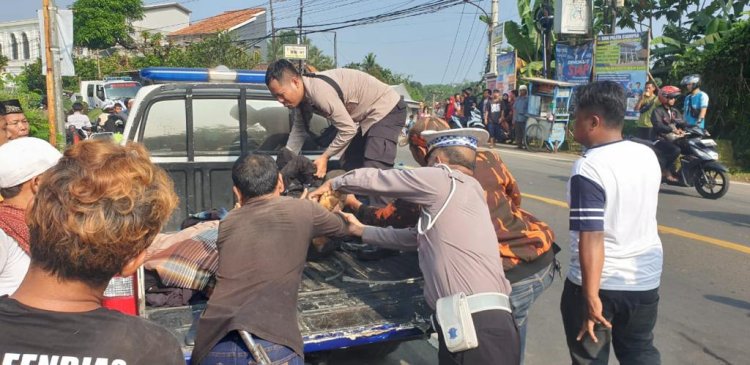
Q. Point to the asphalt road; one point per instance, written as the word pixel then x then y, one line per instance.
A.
pixel 704 313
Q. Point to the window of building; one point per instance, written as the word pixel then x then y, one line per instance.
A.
pixel 25 45
pixel 13 47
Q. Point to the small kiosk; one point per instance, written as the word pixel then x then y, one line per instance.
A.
pixel 548 111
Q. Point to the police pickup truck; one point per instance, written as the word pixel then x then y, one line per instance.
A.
pixel 195 123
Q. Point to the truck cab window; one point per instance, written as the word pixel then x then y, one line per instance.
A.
pixel 165 132
pixel 267 125
pixel 216 126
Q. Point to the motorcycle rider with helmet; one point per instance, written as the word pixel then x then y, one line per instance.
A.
pixel 696 101
pixel 668 128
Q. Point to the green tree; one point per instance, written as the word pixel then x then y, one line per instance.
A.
pixel 101 24
pixel 526 37
pixel 315 56
pixel 725 72
pixel 3 63
pixel 370 65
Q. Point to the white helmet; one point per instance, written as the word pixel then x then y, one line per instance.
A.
pixel 691 79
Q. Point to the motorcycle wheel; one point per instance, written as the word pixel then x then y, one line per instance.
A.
pixel 712 183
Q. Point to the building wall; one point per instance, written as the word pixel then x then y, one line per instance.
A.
pixel 162 20
pixel 250 32
pixel 28 44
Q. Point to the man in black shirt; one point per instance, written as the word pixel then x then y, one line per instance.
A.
pixel 467 106
pixel 486 98
pixel 93 216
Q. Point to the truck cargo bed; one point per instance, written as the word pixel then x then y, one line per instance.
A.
pixel 343 302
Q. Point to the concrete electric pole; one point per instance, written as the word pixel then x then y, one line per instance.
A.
pixel 492 49
pixel 55 112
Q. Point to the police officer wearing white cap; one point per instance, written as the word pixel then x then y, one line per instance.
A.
pixel 22 163
pixel 464 282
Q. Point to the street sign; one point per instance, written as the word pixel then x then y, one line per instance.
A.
pixel 295 51
pixel 573 16
pixel 497 33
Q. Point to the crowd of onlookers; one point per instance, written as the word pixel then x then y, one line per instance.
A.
pixel 502 114
pixel 112 120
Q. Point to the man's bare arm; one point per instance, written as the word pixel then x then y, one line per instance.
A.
pixel 591 254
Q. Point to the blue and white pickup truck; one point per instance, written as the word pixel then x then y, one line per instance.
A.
pixel 195 128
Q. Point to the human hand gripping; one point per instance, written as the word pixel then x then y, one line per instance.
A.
pixel 322 190
pixel 321 165
pixel 354 226
pixel 594 316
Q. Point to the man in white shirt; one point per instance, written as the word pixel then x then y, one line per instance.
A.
pixel 22 163
pixel 78 119
pixel 611 292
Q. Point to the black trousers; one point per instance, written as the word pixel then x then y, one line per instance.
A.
pixel 667 153
pixel 377 147
pixel 633 317
pixel 520 129
pixel 499 343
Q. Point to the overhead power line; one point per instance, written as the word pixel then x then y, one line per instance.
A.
pixel 453 47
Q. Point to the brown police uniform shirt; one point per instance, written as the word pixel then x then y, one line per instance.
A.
pixel 367 100
pixel 459 254
pixel 524 242
pixel 262 252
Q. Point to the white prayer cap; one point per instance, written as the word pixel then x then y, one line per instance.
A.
pixel 25 158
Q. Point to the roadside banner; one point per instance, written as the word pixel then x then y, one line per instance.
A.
pixel 506 72
pixel 574 63
pixel 623 58
pixel 64 31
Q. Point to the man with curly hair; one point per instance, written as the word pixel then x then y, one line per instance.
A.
pixel 93 217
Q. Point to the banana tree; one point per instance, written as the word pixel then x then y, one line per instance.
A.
pixel 526 37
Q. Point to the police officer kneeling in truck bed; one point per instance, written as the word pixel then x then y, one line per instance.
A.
pixel 464 281
pixel 367 114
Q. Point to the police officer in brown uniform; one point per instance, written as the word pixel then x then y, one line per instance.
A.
pixel 368 115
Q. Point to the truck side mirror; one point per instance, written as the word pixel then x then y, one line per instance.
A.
pixel 100 93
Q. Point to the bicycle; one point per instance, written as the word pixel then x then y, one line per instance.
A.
pixel 546 137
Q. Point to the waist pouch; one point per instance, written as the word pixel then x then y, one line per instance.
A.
pixel 454 316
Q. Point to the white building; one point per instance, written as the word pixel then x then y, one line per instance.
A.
pixel 20 43
pixel 161 18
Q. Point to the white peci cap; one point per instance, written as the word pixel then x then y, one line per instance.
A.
pixel 25 158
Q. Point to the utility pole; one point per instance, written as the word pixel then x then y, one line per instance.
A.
pixel 53 78
pixel 492 50
pixel 299 35
pixel 613 11
pixel 273 31
pixel 335 52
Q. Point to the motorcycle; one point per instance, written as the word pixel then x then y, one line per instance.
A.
pixel 475 121
pixel 699 165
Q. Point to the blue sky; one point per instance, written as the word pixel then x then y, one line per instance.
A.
pixel 418 46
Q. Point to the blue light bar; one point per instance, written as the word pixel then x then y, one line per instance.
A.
pixel 184 74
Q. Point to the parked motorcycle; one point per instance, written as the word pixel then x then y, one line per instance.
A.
pixel 699 165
